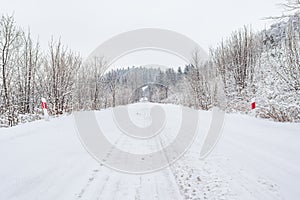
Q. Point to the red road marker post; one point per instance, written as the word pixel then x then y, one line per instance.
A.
pixel 253 104
pixel 253 107
pixel 44 106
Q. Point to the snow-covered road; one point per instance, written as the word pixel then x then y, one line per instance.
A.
pixel 255 159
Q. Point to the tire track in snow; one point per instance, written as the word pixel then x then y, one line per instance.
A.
pixel 93 179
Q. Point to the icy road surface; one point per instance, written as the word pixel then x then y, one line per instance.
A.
pixel 255 159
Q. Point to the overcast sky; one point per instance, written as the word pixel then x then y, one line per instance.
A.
pixel 83 25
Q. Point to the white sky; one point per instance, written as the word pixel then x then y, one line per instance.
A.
pixel 83 25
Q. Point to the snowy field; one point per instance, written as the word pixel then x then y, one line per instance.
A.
pixel 254 159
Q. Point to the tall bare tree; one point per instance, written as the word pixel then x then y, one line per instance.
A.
pixel 60 68
pixel 289 71
pixel 9 43
pixel 28 63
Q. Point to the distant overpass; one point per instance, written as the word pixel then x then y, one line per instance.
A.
pixel 152 92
